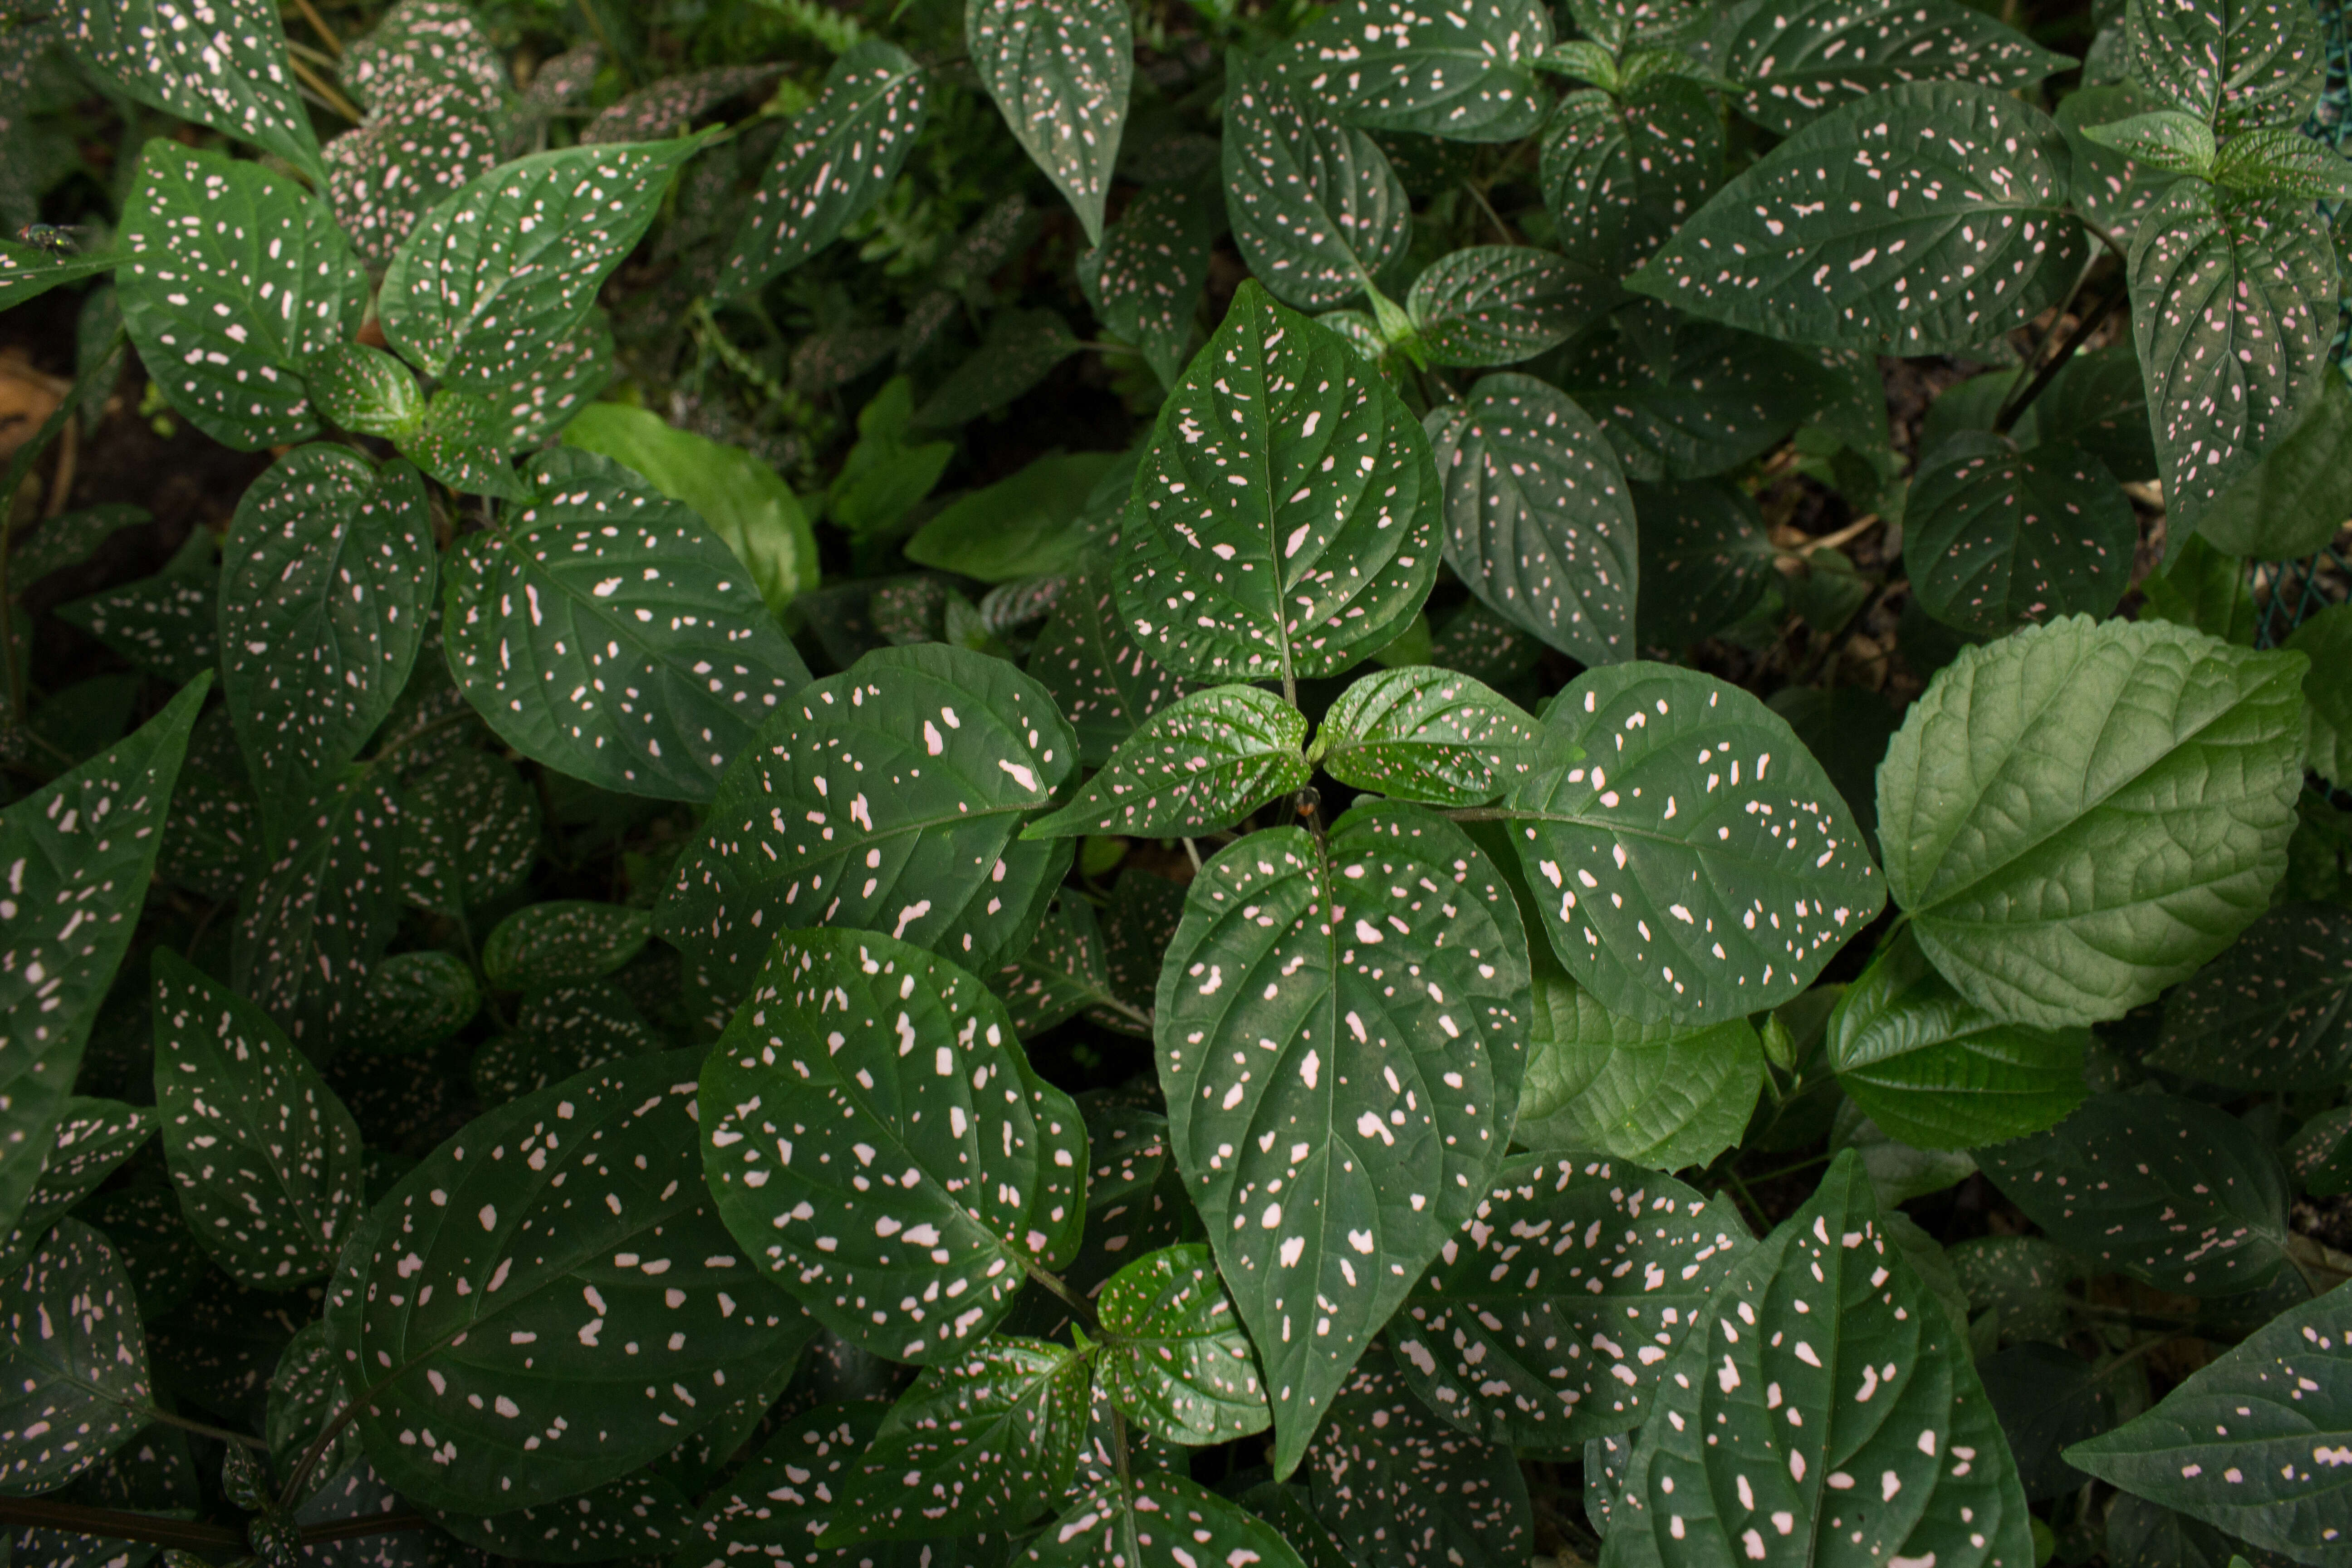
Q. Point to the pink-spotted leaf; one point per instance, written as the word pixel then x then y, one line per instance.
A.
pixel 1803 59
pixel 1174 1359
pixel 1204 762
pixel 1059 71
pixel 1317 210
pixel 1418 733
pixel 1995 538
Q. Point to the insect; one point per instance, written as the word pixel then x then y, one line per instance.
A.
pixel 49 237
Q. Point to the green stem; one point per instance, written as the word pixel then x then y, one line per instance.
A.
pixel 217 1433
pixel 2022 397
pixel 1800 1165
pixel 1079 1308
pixel 2124 1358
pixel 114 1524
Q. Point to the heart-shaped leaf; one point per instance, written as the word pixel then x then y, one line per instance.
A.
pixel 1151 266
pixel 1317 210
pixel 2248 1442
pixel 520 1289
pixel 1102 683
pixel 1418 733
pixel 1383 971
pixel 1538 522
pixel 2234 349
pixel 232 278
pixel 1936 1072
pixel 2270 1013
pixel 988 1181
pixel 1542 1322
pixel 1662 1094
pixel 1176 1360
pixel 601 628
pixel 1499 304
pixel 326 586
pixel 1939 208
pixel 266 1158
pixel 1620 172
pixel 565 939
pixel 221 62
pixel 1204 762
pixel 74 1384
pixel 1059 71
pixel 80 850
pixel 1801 61
pixel 840 156
pixel 1840 1399
pixel 1399 1488
pixel 889 798
pixel 1662 843
pixel 1995 538
pixel 1468 74
pixel 1280 524
pixel 2078 815
pixel 2167 1190
pixel 2235 63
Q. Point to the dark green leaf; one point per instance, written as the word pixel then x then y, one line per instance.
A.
pixel 2167 1190
pixel 2296 495
pixel 1103 684
pixel 840 799
pixel 987 1187
pixel 1938 208
pixel 1659 1094
pixel 1062 974
pixel 635 658
pixel 568 939
pixel 593 1268
pixel 27 271
pixel 70 539
pixel 2046 1398
pixel 561 1031
pixel 1317 210
pixel 839 157
pixel 1543 1320
pixel 1995 538
pixel 73 1367
pixel 669 106
pixel 1620 173
pixel 150 1240
pixel 1499 304
pixel 2078 815
pixel 1468 74
pixel 2320 1156
pixel 1898 1171
pixel 1204 761
pixel 1151 266
pixel 461 442
pixel 641 1517
pixel 473 833
pixel 222 63
pixel 1175 1359
pixel 92 1138
pixel 2249 1443
pixel 2271 1013
pixel 1724 397
pixel 234 278
pixel 1537 519
pixel 2205 590
pixel 2022 1279
pixel 1249 550
pixel 265 1157
pixel 1399 1488
pixel 2236 64
pixel 1801 60
pixel 2110 189
pixel 1418 733
pixel 1676 893
pixel 1705 561
pixel 365 390
pixel 1158 1521
pixel 1021 347
pixel 306 1396
pixel 412 1002
pixel 2325 638
pixel 421 142
pixel 1059 71
pixel 164 623
pixel 1936 1072
pixel 322 912
pixel 1384 976
pixel 74 856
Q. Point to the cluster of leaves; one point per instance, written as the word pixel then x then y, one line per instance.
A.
pixel 469 1048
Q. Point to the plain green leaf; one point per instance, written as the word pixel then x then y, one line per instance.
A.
pixel 566 939
pixel 2236 64
pixel 2325 639
pixel 594 1268
pixel 1298 563
pixel 2204 589
pixel 326 586
pixel 1421 733
pixel 79 853
pixel 1329 952
pixel 1537 518
pixel 2247 1443
pixel 1468 74
pixel 1656 850
pixel 1994 537
pixel 2297 494
pixel 632 657
pixel 1802 60
pixel 1157 1522
pixel 891 798
pixel 988 1181
pixel 2167 1190
pixel 74 1384
pixel 2226 295
pixel 323 909
pixel 747 503
pixel 1620 172
pixel 232 277
pixel 265 1155
pixel 1175 1359
pixel 1059 71
pixel 1317 210
pixel 2046 1397
pixel 222 64
pixel 1499 304
pixel 1898 1171
pixel 1507 1337
pixel 1021 526
pixel 2271 1013
pixel 1936 1072
pixel 1911 1458
pixel 1659 1094
pixel 1399 1488
pixel 1706 559
pixel 1937 207
pixel 2098 404
pixel 2080 815
pixel 1204 762
pixel 838 159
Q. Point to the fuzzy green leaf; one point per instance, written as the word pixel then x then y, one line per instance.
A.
pixel 982 1185
pixel 1536 1329
pixel 1250 549
pixel 1537 519
pixel 1665 1095
pixel 74 1384
pixel 2080 815
pixel 2167 1190
pixel 1418 733
pixel 1384 970
pixel 1937 207
pixel 1805 60
pixel 1176 1360
pixel 1995 538
pixel 2282 161
pixel 1317 210
pixel 1202 763
pixel 1059 71
pixel 221 62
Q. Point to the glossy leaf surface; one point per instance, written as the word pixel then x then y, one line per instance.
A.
pixel 1204 762
pixel 1316 207
pixel 1421 733
pixel 1177 1362
pixel 1059 71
